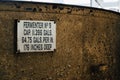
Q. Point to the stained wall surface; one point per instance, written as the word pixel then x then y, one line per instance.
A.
pixel 87 40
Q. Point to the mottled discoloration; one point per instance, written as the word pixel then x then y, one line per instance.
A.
pixel 87 43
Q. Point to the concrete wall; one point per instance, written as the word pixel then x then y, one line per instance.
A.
pixel 87 43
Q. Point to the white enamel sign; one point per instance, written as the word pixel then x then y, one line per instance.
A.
pixel 36 36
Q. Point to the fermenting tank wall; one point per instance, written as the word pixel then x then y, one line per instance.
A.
pixel 87 43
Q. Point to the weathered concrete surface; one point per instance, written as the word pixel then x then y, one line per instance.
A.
pixel 88 42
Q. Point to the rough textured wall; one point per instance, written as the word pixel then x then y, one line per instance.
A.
pixel 88 42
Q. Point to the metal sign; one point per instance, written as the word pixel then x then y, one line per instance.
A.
pixel 36 36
